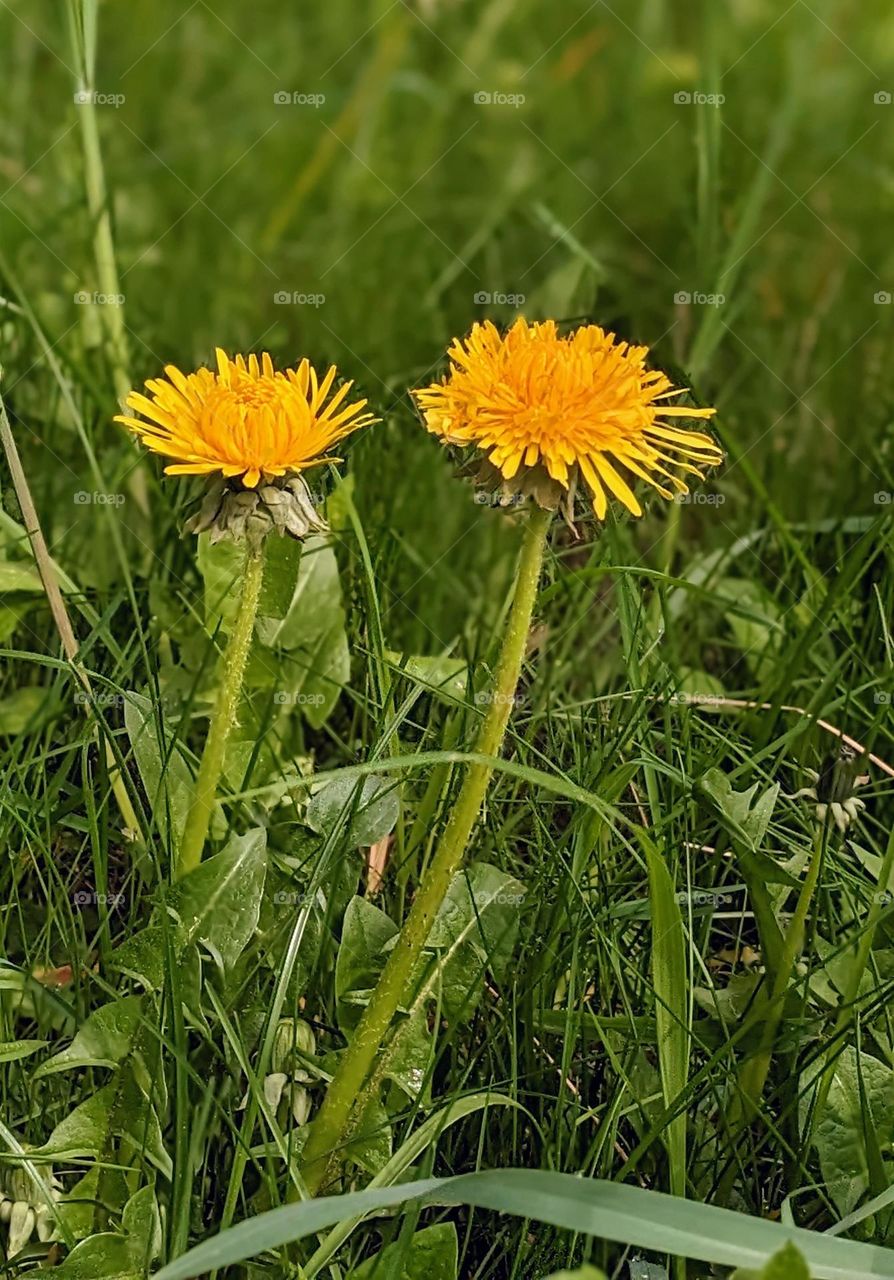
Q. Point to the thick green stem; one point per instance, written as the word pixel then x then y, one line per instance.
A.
pixel 195 832
pixel 330 1127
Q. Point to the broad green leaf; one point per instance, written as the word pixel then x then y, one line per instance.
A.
pixel 15 1050
pixel 101 1257
pixel 362 811
pixel 431 1254
pixel 474 932
pixel 282 557
pixel 164 772
pixel 628 1214
pixel 853 1117
pixel 118 1109
pixel 142 957
pixel 219 902
pixel 110 1256
pixel 309 638
pixel 475 929
pixel 364 934
pixel 103 1040
pixel 747 817
pixel 787 1264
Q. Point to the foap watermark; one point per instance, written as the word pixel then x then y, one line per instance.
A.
pixel 83 298
pixel 883 498
pixel 90 898
pixel 484 299
pixel 84 498
pixel 685 299
pixel 698 699
pixel 882 98
pixel 291 898
pixel 101 698
pixel 700 499
pixel 91 98
pixel 488 698
pixel 685 98
pixel 881 698
pixel 285 698
pixel 294 98
pixel 703 898
pixel 883 298
pixel 484 499
pixel 486 98
pixel 285 298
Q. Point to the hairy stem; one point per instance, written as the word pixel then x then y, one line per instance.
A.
pixel 198 820
pixel 331 1125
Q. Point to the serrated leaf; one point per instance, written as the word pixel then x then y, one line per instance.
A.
pixel 103 1040
pixel 747 817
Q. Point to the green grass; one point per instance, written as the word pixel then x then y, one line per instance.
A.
pixel 398 200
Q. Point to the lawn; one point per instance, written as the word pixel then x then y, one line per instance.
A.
pixel 627 780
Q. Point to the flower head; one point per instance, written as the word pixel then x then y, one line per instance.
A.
pixel 246 420
pixel 551 409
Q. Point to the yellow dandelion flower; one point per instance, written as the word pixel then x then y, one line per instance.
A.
pixel 246 420
pixel 562 407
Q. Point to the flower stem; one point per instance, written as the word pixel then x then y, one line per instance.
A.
pixel 195 832
pixel 330 1127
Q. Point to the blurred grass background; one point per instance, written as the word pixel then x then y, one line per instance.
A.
pixel 400 198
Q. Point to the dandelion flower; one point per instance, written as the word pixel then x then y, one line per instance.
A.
pixel 246 420
pixel 550 411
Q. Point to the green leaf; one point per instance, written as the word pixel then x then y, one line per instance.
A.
pixel 309 636
pixel 475 929
pixel 362 811
pixel 110 1256
pixel 631 1215
pixel 365 932
pixel 219 902
pixel 859 1110
pixel 15 1050
pixel 747 818
pixel 103 1040
pixel 221 565
pixel 101 1257
pixel 142 957
pixel 787 1264
pixel 431 1254
pixel 118 1109
pixel 165 774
